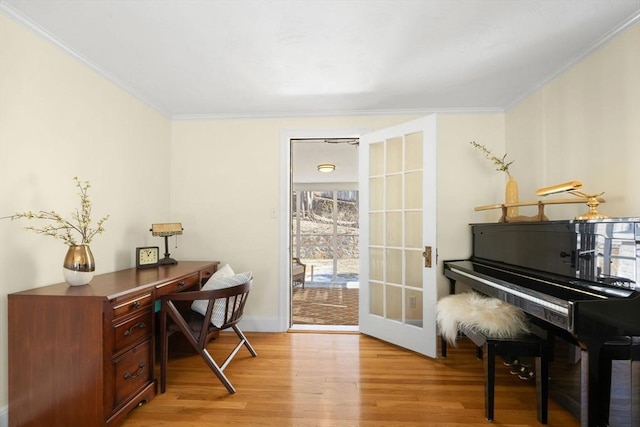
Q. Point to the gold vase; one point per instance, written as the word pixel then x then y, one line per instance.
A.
pixel 511 196
pixel 79 266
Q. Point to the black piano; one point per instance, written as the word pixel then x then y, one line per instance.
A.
pixel 580 281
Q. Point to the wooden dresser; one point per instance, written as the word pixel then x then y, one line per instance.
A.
pixel 84 355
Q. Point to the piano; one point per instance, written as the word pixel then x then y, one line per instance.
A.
pixel 580 281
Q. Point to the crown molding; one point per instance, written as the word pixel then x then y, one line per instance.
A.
pixel 348 113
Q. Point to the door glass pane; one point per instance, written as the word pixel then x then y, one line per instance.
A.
pixel 376 300
pixel 394 266
pixel 394 229
pixel 394 155
pixel 413 147
pixel 414 263
pixel 376 159
pixel 376 194
pixel 413 229
pixel 413 307
pixel 413 190
pixel 394 303
pixel 376 229
pixel 394 192
pixel 376 264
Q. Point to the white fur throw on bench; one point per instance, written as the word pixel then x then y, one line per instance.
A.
pixel 471 310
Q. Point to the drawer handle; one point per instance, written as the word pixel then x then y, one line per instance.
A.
pixel 181 284
pixel 128 376
pixel 135 304
pixel 129 331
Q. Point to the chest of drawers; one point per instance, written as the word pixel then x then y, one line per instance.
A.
pixel 85 355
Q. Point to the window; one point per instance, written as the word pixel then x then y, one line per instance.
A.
pixel 325 230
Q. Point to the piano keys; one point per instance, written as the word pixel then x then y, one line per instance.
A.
pixel 577 279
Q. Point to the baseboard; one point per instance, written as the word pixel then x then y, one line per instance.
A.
pixel 4 416
pixel 259 324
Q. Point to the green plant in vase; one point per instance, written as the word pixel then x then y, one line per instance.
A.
pixel 502 165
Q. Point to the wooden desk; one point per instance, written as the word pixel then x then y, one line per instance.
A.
pixel 84 355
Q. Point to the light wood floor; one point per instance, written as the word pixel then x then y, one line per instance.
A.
pixel 312 379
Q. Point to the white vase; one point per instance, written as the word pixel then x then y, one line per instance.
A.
pixel 79 266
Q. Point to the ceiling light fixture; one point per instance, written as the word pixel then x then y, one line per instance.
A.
pixel 326 167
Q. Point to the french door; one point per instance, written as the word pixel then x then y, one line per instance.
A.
pixel 398 291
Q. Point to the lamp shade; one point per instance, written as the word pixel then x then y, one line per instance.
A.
pixel 560 188
pixel 166 229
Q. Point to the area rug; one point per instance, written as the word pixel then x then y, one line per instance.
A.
pixel 325 306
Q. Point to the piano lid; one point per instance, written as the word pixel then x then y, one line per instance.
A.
pixel 605 252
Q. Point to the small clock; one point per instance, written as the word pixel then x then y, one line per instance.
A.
pixel 147 256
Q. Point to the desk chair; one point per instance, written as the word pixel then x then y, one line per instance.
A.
pixel 224 310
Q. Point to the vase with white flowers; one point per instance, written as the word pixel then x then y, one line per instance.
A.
pixel 77 232
pixel 502 165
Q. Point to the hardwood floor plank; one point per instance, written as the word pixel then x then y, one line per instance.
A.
pixel 338 380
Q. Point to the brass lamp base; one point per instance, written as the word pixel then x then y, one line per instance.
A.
pixel 592 202
pixel 592 215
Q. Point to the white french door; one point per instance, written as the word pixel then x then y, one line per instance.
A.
pixel 398 289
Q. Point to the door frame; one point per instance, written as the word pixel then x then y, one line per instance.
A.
pixel 284 238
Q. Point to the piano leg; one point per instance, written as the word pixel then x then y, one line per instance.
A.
pixel 490 379
pixel 596 380
pixel 584 393
pixel 443 347
pixel 542 382
pixel 605 389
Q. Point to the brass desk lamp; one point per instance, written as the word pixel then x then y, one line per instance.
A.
pixel 166 230
pixel 592 200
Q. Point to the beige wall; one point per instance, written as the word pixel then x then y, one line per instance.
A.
pixel 60 119
pixel 584 125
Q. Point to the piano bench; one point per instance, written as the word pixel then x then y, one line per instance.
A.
pixel 529 345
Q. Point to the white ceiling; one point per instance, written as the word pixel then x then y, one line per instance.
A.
pixel 193 58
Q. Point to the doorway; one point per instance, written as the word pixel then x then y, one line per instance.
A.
pixel 324 237
pixel 407 333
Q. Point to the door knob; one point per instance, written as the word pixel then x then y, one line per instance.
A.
pixel 427 256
